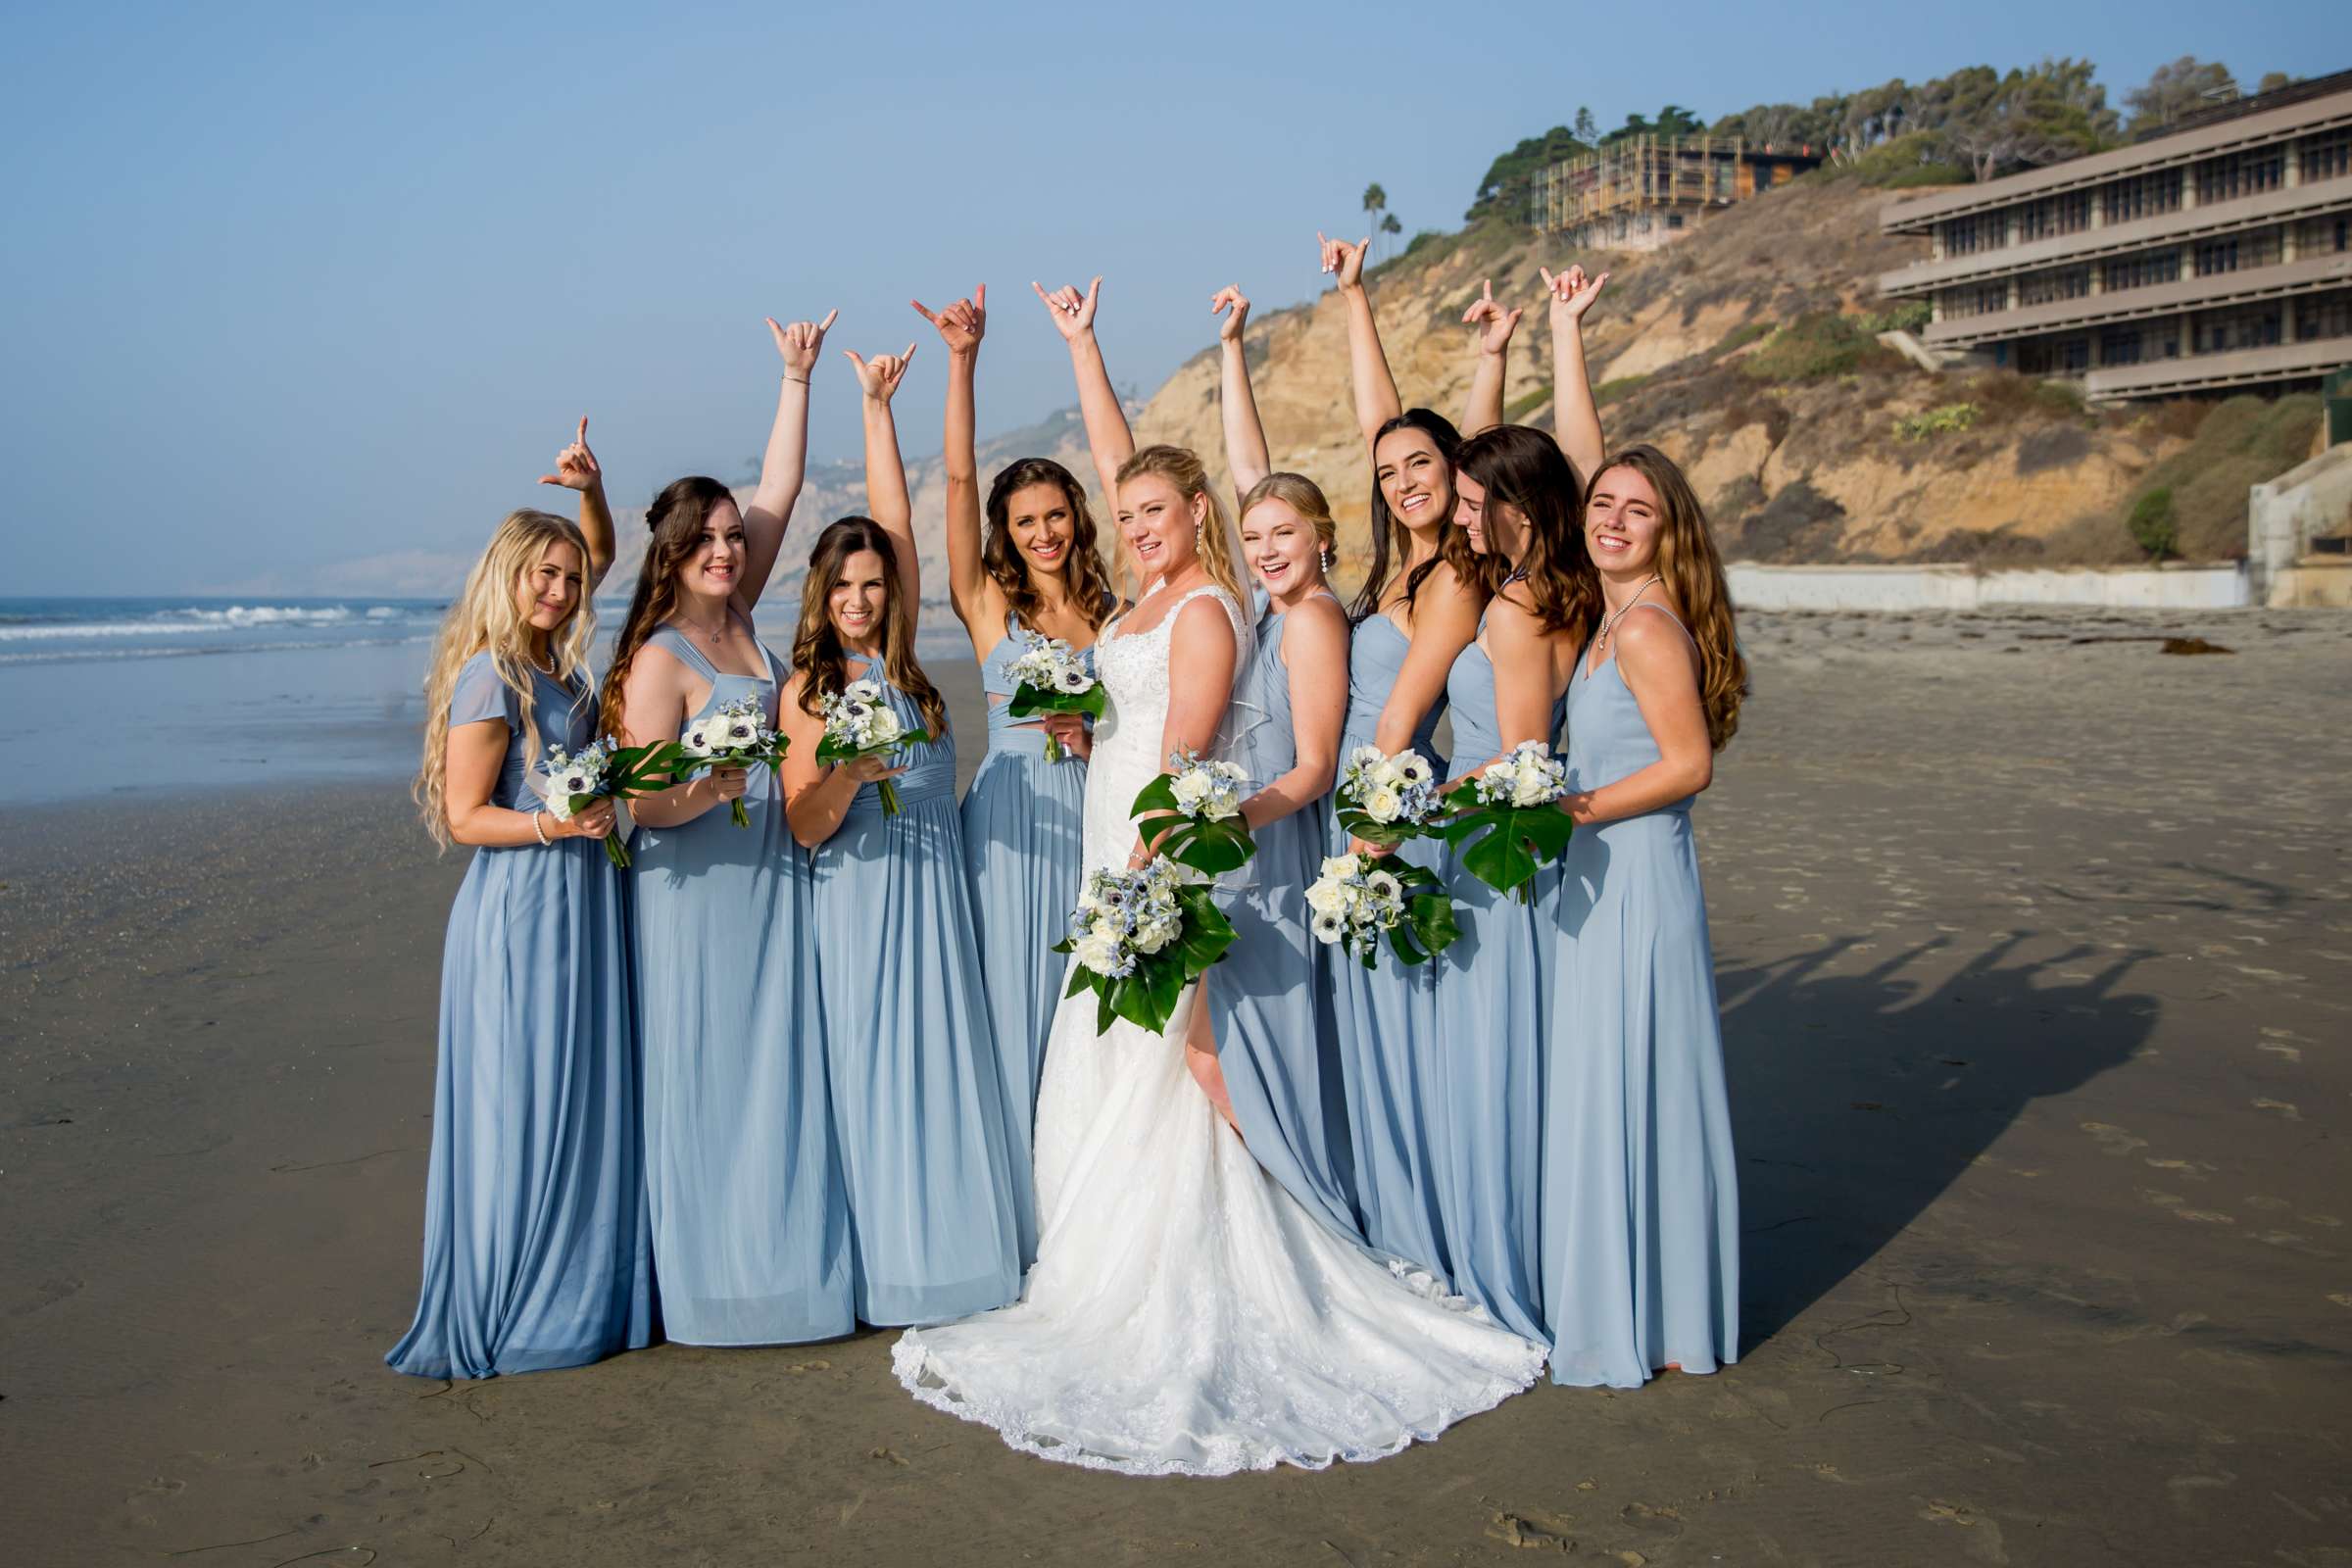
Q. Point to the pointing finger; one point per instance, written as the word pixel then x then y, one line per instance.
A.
pixel 925 312
pixel 582 438
pixel 826 326
pixel 980 296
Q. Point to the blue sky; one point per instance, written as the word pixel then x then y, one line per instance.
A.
pixel 292 285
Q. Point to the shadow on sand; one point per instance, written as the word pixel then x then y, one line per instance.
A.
pixel 1858 1098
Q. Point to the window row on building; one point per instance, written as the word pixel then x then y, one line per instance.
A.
pixel 2327 235
pixel 2315 317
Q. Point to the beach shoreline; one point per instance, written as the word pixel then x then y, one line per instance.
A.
pixel 2031 942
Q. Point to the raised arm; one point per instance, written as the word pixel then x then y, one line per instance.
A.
pixel 576 469
pixel 1444 618
pixel 886 499
pixel 1314 650
pixel 1376 401
pixel 1496 325
pixel 786 460
pixel 977 600
pixel 1244 436
pixel 1107 437
pixel 1574 414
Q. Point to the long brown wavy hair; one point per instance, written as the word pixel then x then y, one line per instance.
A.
pixel 675 519
pixel 1084 580
pixel 1692 570
pixel 486 616
pixel 1183 469
pixel 1390 536
pixel 1522 467
pixel 816 650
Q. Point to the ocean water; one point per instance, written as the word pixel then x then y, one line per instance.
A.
pixel 206 693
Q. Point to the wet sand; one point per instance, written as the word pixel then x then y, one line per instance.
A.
pixel 2035 953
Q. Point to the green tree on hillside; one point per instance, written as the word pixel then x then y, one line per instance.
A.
pixel 1376 202
pixel 1511 178
pixel 2272 80
pixel 1586 131
pixel 2181 88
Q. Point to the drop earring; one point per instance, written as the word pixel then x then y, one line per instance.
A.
pixel 1324 551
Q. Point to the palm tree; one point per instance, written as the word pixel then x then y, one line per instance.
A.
pixel 1376 202
pixel 1390 226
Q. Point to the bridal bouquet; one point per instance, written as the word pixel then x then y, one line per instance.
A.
pixel 858 722
pixel 1387 799
pixel 1211 835
pixel 603 770
pixel 1358 897
pixel 736 735
pixel 1052 679
pixel 1140 937
pixel 1509 808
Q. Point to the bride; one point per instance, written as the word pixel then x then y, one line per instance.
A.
pixel 1186 1316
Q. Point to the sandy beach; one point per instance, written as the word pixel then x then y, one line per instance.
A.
pixel 2035 945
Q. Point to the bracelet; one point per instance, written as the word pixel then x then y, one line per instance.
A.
pixel 798 380
pixel 540 828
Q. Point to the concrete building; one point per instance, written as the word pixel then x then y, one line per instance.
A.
pixel 2215 255
pixel 1646 192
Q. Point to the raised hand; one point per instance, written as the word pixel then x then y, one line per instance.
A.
pixel 799 343
pixel 1497 324
pixel 963 324
pixel 1344 260
pixel 879 377
pixel 1073 313
pixel 575 466
pixel 1232 304
pixel 1571 293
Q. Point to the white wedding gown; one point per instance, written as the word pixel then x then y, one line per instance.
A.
pixel 1186 1316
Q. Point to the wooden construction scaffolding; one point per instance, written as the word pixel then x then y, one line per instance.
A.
pixel 1648 191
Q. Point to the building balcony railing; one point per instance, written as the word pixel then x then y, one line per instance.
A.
pixel 2196 373
pixel 2245 286
pixel 1918 214
pixel 2289 204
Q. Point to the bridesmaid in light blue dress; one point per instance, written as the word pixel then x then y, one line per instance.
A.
pixel 1640 1194
pixel 750 1213
pixel 1264 1048
pixel 1033 566
pixel 1497 989
pixel 1418 608
pixel 939 1193
pixel 535 1249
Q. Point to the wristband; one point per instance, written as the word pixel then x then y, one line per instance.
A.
pixel 540 828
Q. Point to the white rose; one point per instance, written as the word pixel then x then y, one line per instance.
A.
pixel 1097 951
pixel 1191 789
pixel 1338 865
pixel 1153 935
pixel 885 726
pixel 1328 896
pixel 1383 804
pixel 1531 792
pixel 558 804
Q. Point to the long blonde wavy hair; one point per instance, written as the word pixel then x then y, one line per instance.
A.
pixel 488 614
pixel 1693 570
pixel 1220 545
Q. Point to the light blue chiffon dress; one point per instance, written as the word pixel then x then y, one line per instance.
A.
pixel 750 1213
pixel 1640 1188
pixel 1497 994
pixel 940 1194
pixel 1265 998
pixel 1384 1019
pixel 1021 822
pixel 535 1247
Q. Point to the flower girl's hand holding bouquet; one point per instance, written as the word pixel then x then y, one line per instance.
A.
pixel 1052 678
pixel 572 782
pixel 1511 809
pixel 735 735
pixel 859 723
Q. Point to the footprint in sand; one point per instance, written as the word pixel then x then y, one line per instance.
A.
pixel 2113 1139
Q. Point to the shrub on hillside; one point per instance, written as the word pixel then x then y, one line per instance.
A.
pixel 1929 423
pixel 1816 347
pixel 2151 524
pixel 2241 443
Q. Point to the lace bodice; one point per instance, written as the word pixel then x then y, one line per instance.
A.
pixel 1136 678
